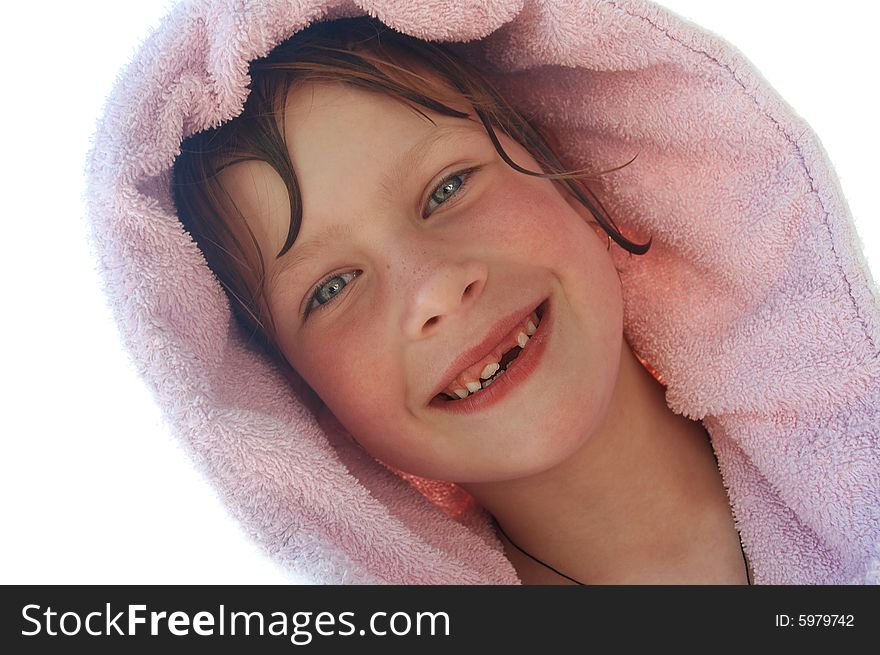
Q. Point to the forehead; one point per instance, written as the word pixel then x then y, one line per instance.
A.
pixel 335 130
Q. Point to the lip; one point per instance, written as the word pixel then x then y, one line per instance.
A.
pixel 518 370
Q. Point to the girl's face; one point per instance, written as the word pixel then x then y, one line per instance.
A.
pixel 420 255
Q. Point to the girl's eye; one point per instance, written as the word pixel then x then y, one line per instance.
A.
pixel 329 289
pixel 448 188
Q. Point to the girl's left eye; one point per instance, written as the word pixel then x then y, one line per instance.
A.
pixel 448 188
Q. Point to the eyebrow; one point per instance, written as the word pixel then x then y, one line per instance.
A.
pixel 411 159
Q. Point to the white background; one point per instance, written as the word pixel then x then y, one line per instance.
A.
pixel 93 488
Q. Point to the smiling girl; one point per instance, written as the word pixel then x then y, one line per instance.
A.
pixel 413 254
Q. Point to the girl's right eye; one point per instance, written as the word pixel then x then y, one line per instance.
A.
pixel 328 289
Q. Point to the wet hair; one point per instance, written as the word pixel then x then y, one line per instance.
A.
pixel 368 55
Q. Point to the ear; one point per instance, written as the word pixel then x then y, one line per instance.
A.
pixel 585 213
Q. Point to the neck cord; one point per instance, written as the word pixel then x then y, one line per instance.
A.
pixel 498 525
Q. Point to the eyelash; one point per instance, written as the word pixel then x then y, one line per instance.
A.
pixel 464 174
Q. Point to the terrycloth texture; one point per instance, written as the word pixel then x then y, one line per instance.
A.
pixel 754 305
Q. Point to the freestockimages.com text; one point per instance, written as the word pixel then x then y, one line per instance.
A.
pixel 300 627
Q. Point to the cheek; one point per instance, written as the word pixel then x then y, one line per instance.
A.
pixel 353 377
pixel 527 216
pixel 535 218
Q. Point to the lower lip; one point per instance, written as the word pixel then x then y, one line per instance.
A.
pixel 519 370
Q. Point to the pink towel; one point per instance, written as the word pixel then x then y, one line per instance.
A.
pixel 754 304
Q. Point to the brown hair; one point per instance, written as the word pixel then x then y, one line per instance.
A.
pixel 357 51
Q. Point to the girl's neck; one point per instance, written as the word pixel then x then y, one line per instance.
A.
pixel 641 501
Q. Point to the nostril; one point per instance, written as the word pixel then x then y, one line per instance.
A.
pixel 431 321
pixel 469 289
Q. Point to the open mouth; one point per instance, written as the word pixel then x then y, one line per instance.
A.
pixel 473 381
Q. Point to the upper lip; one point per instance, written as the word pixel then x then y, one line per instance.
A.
pixel 476 353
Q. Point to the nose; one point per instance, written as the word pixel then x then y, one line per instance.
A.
pixel 443 291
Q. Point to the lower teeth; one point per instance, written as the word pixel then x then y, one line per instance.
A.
pixel 486 383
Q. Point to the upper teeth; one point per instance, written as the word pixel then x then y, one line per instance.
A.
pixel 467 381
pixel 488 372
